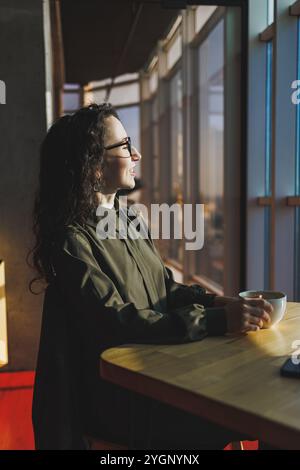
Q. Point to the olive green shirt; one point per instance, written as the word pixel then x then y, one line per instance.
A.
pixel 105 293
pixel 123 288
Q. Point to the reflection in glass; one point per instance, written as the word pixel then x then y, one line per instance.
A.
pixel 297 188
pixel 155 148
pixel 268 163
pixel 130 118
pixel 71 101
pixel 270 11
pixel 210 260
pixel 176 177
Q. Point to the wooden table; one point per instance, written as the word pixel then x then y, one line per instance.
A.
pixel 232 381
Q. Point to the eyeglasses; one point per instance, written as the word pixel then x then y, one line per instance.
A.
pixel 127 143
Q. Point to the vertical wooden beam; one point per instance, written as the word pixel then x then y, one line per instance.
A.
pixel 189 127
pixel 233 154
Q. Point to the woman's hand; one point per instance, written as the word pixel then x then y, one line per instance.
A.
pixel 247 315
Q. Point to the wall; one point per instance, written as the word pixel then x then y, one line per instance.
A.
pixel 22 126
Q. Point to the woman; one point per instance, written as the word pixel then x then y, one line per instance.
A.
pixel 104 292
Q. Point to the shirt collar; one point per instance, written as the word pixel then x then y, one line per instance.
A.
pixel 93 219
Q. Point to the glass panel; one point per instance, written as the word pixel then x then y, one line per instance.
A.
pixel 130 118
pixel 155 148
pixel 71 101
pixel 210 260
pixel 153 81
pixel 174 53
pixel 127 94
pixel 270 11
pixel 176 155
pixel 71 86
pixel 268 162
pixel 202 15
pixel 297 187
pixel 119 95
pixel 97 96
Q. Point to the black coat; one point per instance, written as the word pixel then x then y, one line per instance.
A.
pixel 55 409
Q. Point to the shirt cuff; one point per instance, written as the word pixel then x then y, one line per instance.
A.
pixel 216 322
pixel 192 318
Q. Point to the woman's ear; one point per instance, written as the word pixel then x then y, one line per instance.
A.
pixel 97 174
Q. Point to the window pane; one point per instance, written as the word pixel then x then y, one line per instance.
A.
pixel 174 53
pixel 130 118
pixel 155 148
pixel 268 163
pixel 270 11
pixel 153 82
pixel 71 101
pixel 202 15
pixel 210 260
pixel 125 95
pixel 176 155
pixel 297 188
pixel 71 86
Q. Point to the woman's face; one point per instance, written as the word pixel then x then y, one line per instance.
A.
pixel 118 169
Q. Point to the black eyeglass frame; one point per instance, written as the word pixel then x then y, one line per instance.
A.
pixel 127 142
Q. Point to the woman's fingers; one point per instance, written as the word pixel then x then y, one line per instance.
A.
pixel 260 303
pixel 258 311
pixel 250 327
pixel 243 316
pixel 251 323
pixel 254 320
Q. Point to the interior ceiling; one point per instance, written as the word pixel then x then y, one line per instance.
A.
pixel 107 38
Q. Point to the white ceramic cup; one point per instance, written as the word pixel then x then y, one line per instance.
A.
pixel 277 299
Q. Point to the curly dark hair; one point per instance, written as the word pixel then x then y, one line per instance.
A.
pixel 70 153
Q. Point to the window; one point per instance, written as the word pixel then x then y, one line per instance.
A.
pixel 71 97
pixel 174 52
pixel 273 252
pixel 297 182
pixel 173 46
pixel 122 91
pixel 268 165
pixel 202 15
pixel 130 117
pixel 270 11
pixel 210 55
pixel 176 159
pixel 155 148
pixel 199 103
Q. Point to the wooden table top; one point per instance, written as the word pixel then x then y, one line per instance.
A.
pixel 233 381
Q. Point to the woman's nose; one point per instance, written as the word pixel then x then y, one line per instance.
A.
pixel 135 154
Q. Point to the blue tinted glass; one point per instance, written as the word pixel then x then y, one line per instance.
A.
pixel 270 11
pixel 210 263
pixel 130 118
pixel 268 137
pixel 268 162
pixel 297 187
